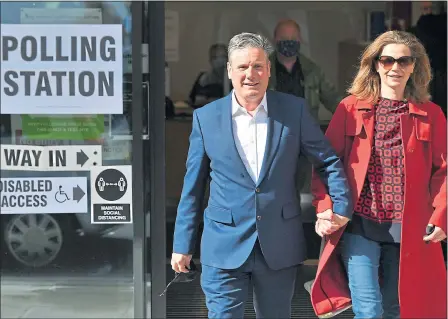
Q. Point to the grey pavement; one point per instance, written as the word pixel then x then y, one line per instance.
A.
pixel 66 297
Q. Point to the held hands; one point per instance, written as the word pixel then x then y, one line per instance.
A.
pixel 329 222
pixel 180 262
pixel 436 236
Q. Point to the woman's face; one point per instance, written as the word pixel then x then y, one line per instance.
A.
pixel 395 65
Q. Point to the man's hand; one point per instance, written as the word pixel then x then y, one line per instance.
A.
pixel 323 227
pixel 329 222
pixel 180 262
pixel 436 236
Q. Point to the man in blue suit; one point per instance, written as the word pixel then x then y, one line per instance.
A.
pixel 247 145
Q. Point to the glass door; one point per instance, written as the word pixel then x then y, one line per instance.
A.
pixel 73 126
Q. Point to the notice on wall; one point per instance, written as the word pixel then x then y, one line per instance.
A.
pixel 111 194
pixel 127 60
pixel 62 127
pixel 68 69
pixel 43 195
pixel 117 150
pixel 50 158
pixel 60 15
pixel 119 125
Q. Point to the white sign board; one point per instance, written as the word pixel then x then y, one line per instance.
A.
pixel 111 199
pixel 50 158
pixel 68 69
pixel 43 195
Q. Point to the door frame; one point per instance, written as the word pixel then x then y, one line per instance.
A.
pixel 156 34
pixel 149 28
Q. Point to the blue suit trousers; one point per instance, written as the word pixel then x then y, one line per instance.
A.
pixel 226 290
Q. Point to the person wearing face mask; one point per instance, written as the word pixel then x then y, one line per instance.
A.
pixel 210 85
pixel 393 143
pixel 294 73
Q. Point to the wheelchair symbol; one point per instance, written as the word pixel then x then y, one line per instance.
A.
pixel 61 196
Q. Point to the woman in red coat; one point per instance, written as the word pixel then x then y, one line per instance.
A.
pixel 393 143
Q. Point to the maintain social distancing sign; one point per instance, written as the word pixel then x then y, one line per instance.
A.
pixel 63 69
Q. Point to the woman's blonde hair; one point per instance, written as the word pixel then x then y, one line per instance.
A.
pixel 367 84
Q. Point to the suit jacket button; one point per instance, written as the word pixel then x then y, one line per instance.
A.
pixel 259 217
pixel 257 190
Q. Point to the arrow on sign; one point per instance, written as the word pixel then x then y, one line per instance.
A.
pixel 81 158
pixel 78 193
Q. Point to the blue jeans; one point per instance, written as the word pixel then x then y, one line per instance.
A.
pixel 364 260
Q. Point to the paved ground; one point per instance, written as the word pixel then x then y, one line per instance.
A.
pixel 111 296
pixel 66 297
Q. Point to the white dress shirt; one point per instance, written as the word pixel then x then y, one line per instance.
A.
pixel 250 134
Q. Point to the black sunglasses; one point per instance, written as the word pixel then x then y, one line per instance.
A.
pixel 388 62
pixel 183 276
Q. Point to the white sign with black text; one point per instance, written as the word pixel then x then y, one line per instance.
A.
pixel 43 195
pixel 111 199
pixel 50 158
pixel 63 69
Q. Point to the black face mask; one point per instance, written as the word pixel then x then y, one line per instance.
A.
pixel 288 48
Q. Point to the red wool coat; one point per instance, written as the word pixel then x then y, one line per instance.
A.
pixel 423 276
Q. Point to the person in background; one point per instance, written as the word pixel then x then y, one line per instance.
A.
pixel 209 85
pixel 393 143
pixel 294 73
pixel 431 31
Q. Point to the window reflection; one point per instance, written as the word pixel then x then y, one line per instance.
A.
pixel 67 250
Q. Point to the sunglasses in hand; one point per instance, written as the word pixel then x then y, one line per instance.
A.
pixel 180 277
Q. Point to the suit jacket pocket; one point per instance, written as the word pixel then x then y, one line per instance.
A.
pixel 219 214
pixel 290 210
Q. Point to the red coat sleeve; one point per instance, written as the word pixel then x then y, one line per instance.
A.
pixel 439 171
pixel 336 136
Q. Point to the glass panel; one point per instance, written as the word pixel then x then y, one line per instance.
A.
pixel 56 260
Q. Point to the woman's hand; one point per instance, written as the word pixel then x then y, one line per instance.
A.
pixel 436 236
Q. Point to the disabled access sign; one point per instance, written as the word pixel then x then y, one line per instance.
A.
pixel 43 195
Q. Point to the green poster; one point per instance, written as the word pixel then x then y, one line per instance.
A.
pixel 63 128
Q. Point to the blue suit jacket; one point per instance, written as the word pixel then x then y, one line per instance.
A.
pixel 240 210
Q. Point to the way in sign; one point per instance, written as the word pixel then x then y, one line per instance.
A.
pixel 50 158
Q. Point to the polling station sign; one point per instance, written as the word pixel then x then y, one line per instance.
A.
pixel 63 69
pixel 43 195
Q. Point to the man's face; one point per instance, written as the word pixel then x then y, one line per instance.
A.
pixel 249 70
pixel 287 40
pixel 287 32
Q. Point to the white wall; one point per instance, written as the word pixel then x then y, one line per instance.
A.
pixel 203 23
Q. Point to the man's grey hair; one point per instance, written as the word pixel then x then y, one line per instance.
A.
pixel 249 40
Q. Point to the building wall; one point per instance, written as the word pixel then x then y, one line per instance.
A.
pixel 324 25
